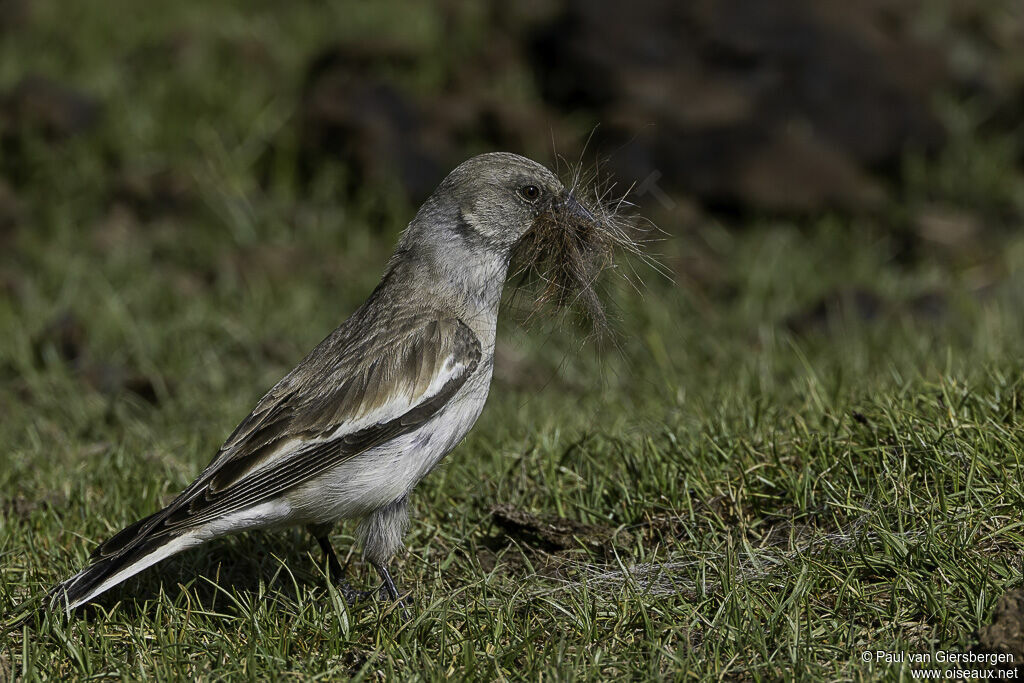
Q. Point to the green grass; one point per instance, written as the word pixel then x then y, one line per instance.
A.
pixel 762 502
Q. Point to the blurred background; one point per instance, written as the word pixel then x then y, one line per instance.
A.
pixel 197 144
pixel 194 192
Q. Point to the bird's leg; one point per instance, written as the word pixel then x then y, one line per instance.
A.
pixel 391 588
pixel 381 532
pixel 335 569
pixel 389 583
pixel 337 572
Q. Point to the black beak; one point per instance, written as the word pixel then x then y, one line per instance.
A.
pixel 571 206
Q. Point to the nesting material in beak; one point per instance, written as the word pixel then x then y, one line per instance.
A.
pixel 570 244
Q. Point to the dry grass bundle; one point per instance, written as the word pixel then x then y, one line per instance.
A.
pixel 572 243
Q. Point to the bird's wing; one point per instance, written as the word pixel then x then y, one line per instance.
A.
pixel 369 382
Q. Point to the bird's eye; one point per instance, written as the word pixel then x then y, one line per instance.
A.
pixel 529 192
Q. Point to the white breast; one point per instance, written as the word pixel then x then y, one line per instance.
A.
pixel 384 474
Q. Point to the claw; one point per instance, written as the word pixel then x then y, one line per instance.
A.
pixel 388 591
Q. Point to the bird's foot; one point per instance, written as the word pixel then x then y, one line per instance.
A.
pixel 389 591
pixel 353 596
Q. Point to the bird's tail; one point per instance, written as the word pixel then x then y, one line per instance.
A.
pixel 109 570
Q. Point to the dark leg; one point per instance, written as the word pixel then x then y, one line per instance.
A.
pixel 381 532
pixel 389 583
pixel 337 572
pixel 333 564
pixel 391 588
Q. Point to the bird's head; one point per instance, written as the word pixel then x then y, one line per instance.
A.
pixel 515 210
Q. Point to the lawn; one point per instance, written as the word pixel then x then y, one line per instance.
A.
pixel 804 443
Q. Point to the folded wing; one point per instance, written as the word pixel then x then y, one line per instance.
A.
pixel 369 382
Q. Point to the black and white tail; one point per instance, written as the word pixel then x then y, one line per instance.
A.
pixel 121 557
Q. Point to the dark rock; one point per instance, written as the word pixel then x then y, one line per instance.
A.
pixel 64 335
pixel 352 110
pixel 790 106
pixel 983 41
pixel 20 507
pixel 1005 633
pixel 549 533
pixel 781 106
pixel 153 193
pixel 844 304
pixel 931 305
pixel 13 15
pixel 65 338
pixel 54 110
pixel 41 109
pixel 351 115
pixel 863 305
pixel 113 380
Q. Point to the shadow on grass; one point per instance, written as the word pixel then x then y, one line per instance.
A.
pixel 225 577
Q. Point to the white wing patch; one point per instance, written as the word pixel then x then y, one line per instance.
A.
pixel 399 404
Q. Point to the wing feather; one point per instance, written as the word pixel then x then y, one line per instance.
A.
pixel 353 392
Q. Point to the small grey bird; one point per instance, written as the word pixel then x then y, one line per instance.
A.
pixel 377 404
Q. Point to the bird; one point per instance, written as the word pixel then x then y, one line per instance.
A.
pixel 373 408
